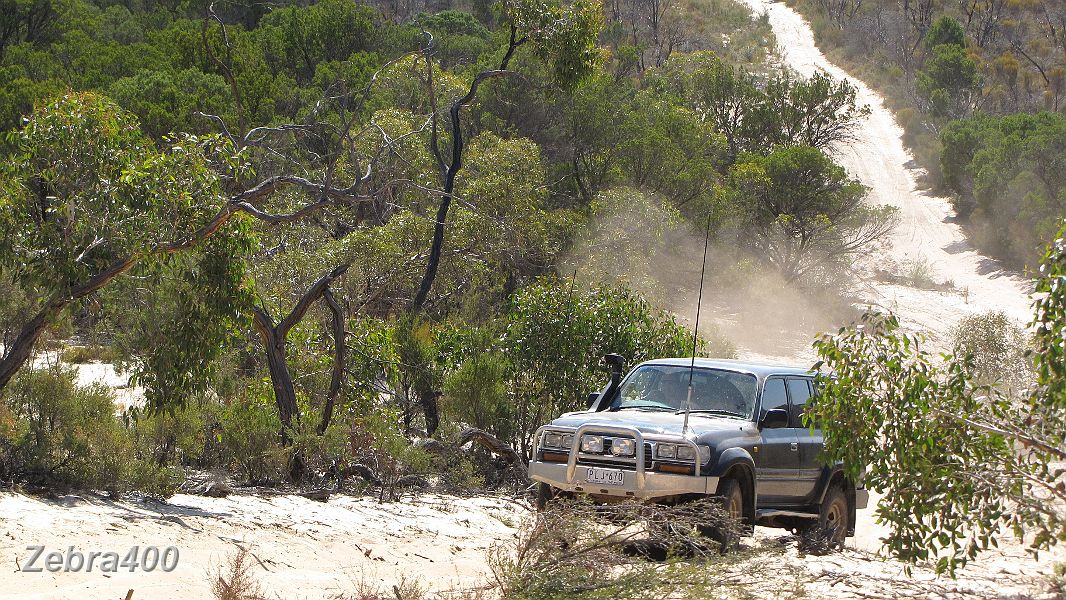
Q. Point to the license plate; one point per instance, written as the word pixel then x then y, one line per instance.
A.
pixel 605 476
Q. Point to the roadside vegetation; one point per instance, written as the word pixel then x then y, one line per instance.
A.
pixel 980 91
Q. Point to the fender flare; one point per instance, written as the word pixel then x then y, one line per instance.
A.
pixel 731 458
pixel 829 476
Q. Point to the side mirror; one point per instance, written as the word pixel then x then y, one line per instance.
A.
pixel 593 397
pixel 775 418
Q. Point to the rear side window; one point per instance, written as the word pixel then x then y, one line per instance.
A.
pixel 773 395
pixel 800 392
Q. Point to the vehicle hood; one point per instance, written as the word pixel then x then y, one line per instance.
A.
pixel 703 427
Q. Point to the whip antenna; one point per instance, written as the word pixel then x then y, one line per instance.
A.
pixel 696 329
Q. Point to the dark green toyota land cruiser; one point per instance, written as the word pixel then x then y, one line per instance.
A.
pixel 674 429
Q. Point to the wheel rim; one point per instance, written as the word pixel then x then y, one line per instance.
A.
pixel 836 519
pixel 735 507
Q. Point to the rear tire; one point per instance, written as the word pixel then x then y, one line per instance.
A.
pixel 833 516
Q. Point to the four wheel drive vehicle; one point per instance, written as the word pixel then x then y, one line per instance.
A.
pixel 735 433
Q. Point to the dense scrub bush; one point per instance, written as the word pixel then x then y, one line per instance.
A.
pixel 999 349
pixel 55 432
pixel 178 436
pixel 378 443
pixel 250 435
pixel 556 338
pixel 1010 173
pixel 477 394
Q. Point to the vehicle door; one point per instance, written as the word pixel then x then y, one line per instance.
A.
pixel 800 391
pixel 777 457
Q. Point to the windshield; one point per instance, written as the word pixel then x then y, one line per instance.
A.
pixel 663 387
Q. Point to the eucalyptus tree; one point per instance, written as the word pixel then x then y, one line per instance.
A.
pixel 759 111
pixel 802 212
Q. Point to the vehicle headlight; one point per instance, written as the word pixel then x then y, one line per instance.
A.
pixel 558 440
pixel 682 452
pixel 591 443
pixel 623 447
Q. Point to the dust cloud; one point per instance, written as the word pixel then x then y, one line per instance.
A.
pixel 637 240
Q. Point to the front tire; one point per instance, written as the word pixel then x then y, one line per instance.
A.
pixel 731 498
pixel 545 494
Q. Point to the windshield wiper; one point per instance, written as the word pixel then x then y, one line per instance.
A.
pixel 657 407
pixel 718 411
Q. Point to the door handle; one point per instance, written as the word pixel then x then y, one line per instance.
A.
pixel 794 446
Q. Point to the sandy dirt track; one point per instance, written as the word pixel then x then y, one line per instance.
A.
pixel 927 231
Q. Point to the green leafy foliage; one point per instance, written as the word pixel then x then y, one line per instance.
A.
pixel 563 35
pixel 86 189
pixel 476 394
pixel 757 113
pixel 945 30
pixel 890 407
pixel 556 338
pixel 250 434
pixel 999 350
pixel 948 81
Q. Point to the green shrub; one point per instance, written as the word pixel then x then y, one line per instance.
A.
pixel 54 432
pixel 476 394
pixel 250 435
pixel 165 437
pixel 77 355
pixel 323 453
pixel 998 348
pixel 379 444
pixel 556 339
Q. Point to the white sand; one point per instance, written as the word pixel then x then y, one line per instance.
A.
pixel 302 548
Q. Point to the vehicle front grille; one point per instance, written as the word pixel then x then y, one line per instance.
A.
pixel 615 463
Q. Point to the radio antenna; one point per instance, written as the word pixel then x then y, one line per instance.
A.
pixel 696 329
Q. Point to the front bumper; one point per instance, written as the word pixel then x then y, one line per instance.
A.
pixel 639 480
pixel 655 485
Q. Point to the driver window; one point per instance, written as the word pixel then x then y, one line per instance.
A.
pixel 800 390
pixel 773 396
